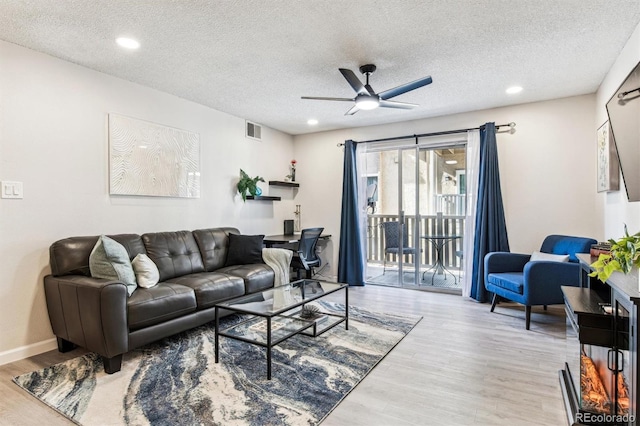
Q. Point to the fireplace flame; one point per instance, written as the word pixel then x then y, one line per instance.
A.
pixel 594 395
pixel 623 395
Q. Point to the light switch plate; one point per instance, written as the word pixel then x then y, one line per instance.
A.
pixel 11 189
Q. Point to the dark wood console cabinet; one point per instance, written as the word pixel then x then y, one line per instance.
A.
pixel 602 324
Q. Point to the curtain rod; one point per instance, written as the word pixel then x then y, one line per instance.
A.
pixel 511 125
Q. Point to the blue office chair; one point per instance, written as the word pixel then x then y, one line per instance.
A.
pixel 514 277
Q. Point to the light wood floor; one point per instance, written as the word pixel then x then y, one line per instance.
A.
pixel 461 365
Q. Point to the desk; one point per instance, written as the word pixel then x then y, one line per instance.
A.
pixel 271 240
pixel 438 242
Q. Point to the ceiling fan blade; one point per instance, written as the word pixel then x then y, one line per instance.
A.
pixel 354 81
pixel 352 110
pixel 319 98
pixel 369 89
pixel 400 105
pixel 388 94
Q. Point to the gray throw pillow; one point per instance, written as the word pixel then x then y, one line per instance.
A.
pixel 109 259
pixel 244 249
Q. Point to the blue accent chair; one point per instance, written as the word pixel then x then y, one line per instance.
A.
pixel 513 277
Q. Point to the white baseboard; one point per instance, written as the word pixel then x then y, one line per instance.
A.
pixel 26 351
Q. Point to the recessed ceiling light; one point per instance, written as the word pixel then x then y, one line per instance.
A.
pixel 312 122
pixel 514 89
pixel 128 43
pixel 451 162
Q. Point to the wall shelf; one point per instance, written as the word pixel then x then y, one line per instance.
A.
pixel 282 183
pixel 263 198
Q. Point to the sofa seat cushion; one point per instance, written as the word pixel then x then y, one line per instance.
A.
pixel 512 281
pixel 256 277
pixel 211 287
pixel 160 303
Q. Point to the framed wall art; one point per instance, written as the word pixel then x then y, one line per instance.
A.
pixel 607 161
pixel 151 159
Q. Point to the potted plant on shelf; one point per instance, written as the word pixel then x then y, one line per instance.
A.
pixel 625 254
pixel 249 184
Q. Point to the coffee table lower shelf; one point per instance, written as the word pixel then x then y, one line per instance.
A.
pixel 282 327
pixel 270 329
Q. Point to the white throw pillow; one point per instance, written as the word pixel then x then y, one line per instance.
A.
pixel 536 255
pixel 147 273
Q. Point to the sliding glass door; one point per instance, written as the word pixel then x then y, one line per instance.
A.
pixel 415 214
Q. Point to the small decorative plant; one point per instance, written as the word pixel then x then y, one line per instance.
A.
pixel 625 254
pixel 292 176
pixel 248 184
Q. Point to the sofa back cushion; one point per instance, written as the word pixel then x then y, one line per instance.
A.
pixel 214 244
pixel 174 253
pixel 70 256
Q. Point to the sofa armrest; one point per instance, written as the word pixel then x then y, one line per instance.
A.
pixel 89 312
pixel 545 278
pixel 501 261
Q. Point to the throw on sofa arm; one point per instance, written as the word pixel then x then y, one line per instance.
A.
pixel 89 312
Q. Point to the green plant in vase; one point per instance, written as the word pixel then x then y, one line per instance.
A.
pixel 248 184
pixel 625 254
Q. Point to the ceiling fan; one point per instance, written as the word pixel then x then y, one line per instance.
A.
pixel 367 99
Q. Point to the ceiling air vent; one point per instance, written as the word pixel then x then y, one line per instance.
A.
pixel 254 131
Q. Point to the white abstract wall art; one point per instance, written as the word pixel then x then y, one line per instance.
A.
pixel 151 159
pixel 608 164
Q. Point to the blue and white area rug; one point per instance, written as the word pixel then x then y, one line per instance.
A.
pixel 176 381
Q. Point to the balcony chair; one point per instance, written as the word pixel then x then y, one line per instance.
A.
pixel 535 279
pixel 392 241
pixel 306 258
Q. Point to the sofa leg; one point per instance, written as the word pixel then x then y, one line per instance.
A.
pixel 527 315
pixel 494 302
pixel 113 364
pixel 65 345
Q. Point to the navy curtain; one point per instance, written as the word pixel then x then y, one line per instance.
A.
pixel 350 257
pixel 491 228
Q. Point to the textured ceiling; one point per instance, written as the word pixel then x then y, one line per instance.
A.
pixel 255 58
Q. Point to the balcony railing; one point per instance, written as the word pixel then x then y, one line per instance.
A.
pixel 438 224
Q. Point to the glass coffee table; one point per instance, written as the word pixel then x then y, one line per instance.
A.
pixel 278 313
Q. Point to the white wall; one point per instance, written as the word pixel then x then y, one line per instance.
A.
pixel 617 209
pixel 53 138
pixel 547 169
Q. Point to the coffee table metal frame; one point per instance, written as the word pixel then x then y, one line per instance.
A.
pixel 281 321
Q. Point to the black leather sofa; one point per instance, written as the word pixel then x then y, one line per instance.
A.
pixel 99 315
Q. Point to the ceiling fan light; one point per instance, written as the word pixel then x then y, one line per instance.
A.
pixel 367 102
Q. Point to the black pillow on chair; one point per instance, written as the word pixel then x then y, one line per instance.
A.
pixel 244 249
